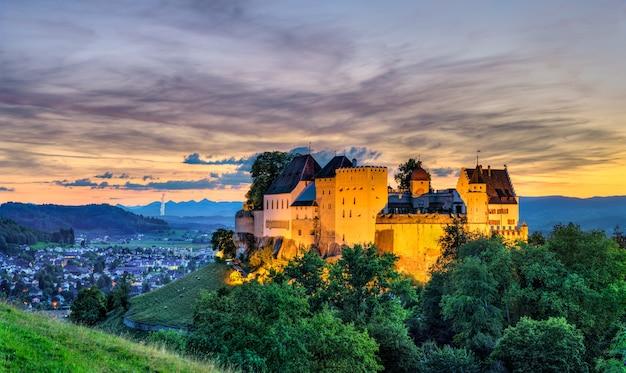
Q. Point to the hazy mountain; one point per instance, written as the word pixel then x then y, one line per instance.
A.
pixel 88 218
pixel 542 213
pixel 204 207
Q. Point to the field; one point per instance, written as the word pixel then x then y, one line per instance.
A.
pixel 173 238
pixel 172 305
pixel 36 343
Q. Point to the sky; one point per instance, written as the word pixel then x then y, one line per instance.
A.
pixel 123 101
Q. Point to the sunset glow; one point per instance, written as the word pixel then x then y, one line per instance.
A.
pixel 124 101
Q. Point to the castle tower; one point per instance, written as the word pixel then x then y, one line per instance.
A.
pixel 360 194
pixel 420 181
pixel 477 201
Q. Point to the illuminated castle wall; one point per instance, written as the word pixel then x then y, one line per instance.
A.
pixel 345 204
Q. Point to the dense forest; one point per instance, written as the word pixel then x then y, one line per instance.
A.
pixel 89 218
pixel 555 304
pixel 13 234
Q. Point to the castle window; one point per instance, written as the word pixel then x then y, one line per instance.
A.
pixel 350 213
pixel 343 214
pixel 299 232
pixel 343 238
pixel 354 202
pixel 272 204
pixel 267 204
pixel 343 201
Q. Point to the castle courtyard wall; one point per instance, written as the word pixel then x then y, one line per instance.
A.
pixel 414 238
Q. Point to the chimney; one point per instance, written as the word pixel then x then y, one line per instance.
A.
pixel 353 162
pixel 489 170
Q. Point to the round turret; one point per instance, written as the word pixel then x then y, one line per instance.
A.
pixel 420 174
pixel 420 181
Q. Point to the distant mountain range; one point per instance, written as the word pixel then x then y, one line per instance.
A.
pixel 203 207
pixel 542 213
pixel 103 218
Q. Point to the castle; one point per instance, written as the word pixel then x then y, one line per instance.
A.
pixel 346 204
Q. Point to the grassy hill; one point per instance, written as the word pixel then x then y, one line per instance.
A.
pixel 172 305
pixel 36 343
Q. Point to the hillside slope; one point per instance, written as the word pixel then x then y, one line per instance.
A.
pixel 172 305
pixel 36 343
pixel 89 218
pixel 542 213
pixel 13 234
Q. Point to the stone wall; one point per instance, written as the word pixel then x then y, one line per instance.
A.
pixel 414 238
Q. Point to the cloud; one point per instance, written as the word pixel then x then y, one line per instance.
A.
pixel 147 177
pixel 6 189
pixel 106 175
pixel 86 182
pixel 123 175
pixel 445 171
pixel 107 89
pixel 361 154
pixel 215 181
pixel 195 158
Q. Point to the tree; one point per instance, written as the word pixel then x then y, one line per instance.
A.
pixel 397 351
pixel 455 235
pixel 403 176
pixel 104 283
pixel 266 168
pixel 590 254
pixel 431 323
pixel 222 240
pixel 550 345
pixel 270 328
pixel 119 297
pixel 89 308
pixel 99 264
pixel 616 356
pixel 333 346
pixel 447 359
pixel 536 239
pixel 471 306
pixel 307 271
pixel 619 237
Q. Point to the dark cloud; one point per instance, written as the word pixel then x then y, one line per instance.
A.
pixel 361 154
pixel 215 181
pixel 106 175
pixel 86 182
pixel 445 171
pixel 123 175
pixel 195 158
pixel 147 177
pixel 6 189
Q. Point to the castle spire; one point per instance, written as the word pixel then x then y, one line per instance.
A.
pixel 477 176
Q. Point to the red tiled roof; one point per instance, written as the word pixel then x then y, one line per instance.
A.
pixel 499 185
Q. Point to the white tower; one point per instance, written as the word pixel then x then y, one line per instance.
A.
pixel 163 204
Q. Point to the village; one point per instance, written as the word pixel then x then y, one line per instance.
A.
pixel 50 278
